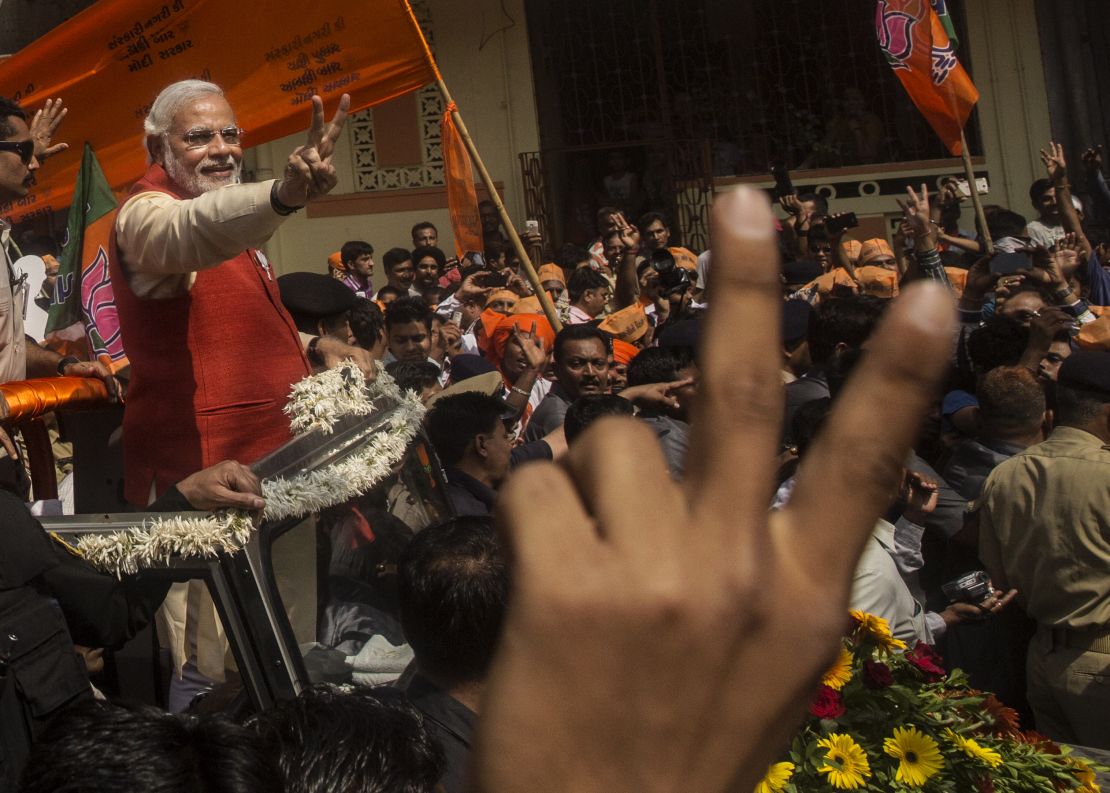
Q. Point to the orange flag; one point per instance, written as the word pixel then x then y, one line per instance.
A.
pixel 462 198
pixel 111 60
pixel 919 50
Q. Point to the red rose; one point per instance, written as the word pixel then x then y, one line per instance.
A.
pixel 828 704
pixel 877 675
pixel 927 662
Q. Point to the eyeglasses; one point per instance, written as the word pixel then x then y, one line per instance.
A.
pixel 201 138
pixel 24 148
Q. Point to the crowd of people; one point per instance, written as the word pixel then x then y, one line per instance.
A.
pixel 692 474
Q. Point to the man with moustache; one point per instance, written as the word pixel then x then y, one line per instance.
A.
pixel 581 367
pixel 22 150
pixel 213 352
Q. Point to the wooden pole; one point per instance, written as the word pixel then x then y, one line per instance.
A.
pixel 980 216
pixel 514 238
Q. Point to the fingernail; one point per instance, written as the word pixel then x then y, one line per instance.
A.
pixel 748 213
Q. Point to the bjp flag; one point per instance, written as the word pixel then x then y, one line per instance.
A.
pixel 83 308
pixel 109 62
pixel 462 196
pixel 917 47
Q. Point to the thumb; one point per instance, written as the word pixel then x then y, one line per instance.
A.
pixel 233 498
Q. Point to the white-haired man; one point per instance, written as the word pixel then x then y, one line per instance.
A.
pixel 213 352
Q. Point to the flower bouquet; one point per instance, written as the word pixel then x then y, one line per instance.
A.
pixel 887 717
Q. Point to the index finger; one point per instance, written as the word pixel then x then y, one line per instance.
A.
pixel 316 127
pixel 736 435
pixel 847 479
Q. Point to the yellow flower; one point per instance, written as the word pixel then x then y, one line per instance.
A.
pixel 972 749
pixel 1086 776
pixel 878 629
pixel 918 755
pixel 777 777
pixel 845 762
pixel 840 672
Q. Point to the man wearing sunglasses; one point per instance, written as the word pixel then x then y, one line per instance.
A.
pixel 22 148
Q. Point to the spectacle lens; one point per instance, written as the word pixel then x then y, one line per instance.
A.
pixel 200 138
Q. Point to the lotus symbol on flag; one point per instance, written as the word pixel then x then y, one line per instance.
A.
pixel 944 61
pixel 894 30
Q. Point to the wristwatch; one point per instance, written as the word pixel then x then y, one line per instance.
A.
pixel 67 361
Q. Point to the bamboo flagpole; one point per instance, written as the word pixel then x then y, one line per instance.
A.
pixel 506 221
pixel 980 215
pixel 487 180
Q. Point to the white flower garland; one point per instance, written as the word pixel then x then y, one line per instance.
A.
pixel 316 402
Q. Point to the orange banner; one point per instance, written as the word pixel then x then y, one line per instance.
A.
pixel 462 197
pixel 917 47
pixel 111 60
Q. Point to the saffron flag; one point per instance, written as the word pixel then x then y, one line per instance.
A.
pixel 82 314
pixel 923 56
pixel 462 197
pixel 109 62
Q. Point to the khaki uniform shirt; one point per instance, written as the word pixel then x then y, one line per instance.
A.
pixel 1044 525
pixel 13 294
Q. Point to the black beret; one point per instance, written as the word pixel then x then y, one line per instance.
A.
pixel 802 271
pixel 795 320
pixel 310 297
pixel 1086 369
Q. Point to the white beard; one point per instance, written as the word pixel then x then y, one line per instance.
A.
pixel 195 182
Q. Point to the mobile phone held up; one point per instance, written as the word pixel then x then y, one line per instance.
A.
pixel 532 226
pixel 981 187
pixel 783 185
pixel 1010 263
pixel 842 222
pixel 494 279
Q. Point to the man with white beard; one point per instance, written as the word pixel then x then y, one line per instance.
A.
pixel 213 352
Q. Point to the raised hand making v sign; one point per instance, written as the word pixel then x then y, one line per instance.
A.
pixel 309 172
pixel 667 637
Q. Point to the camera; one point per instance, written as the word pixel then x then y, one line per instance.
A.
pixel 972 587
pixel 671 277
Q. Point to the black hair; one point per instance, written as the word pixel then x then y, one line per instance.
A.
pixel 603 214
pixel 1038 189
pixel 407 309
pixel 413 376
pixel 582 279
pixel 453 589
pixel 820 203
pixel 1000 341
pixel 8 109
pixel 1078 407
pixel 363 741
pixel 570 256
pixel 367 322
pixel 424 224
pixel 435 253
pixel 353 249
pixel 579 333
pixel 1011 399
pixel 454 421
pixel 1004 223
pixel 807 422
pixel 394 257
pixel 391 290
pixel 587 409
pixel 494 251
pixel 659 365
pixel 648 218
pixel 101 748
pixel 844 320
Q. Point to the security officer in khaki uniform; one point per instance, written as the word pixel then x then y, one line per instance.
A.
pixel 1044 527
